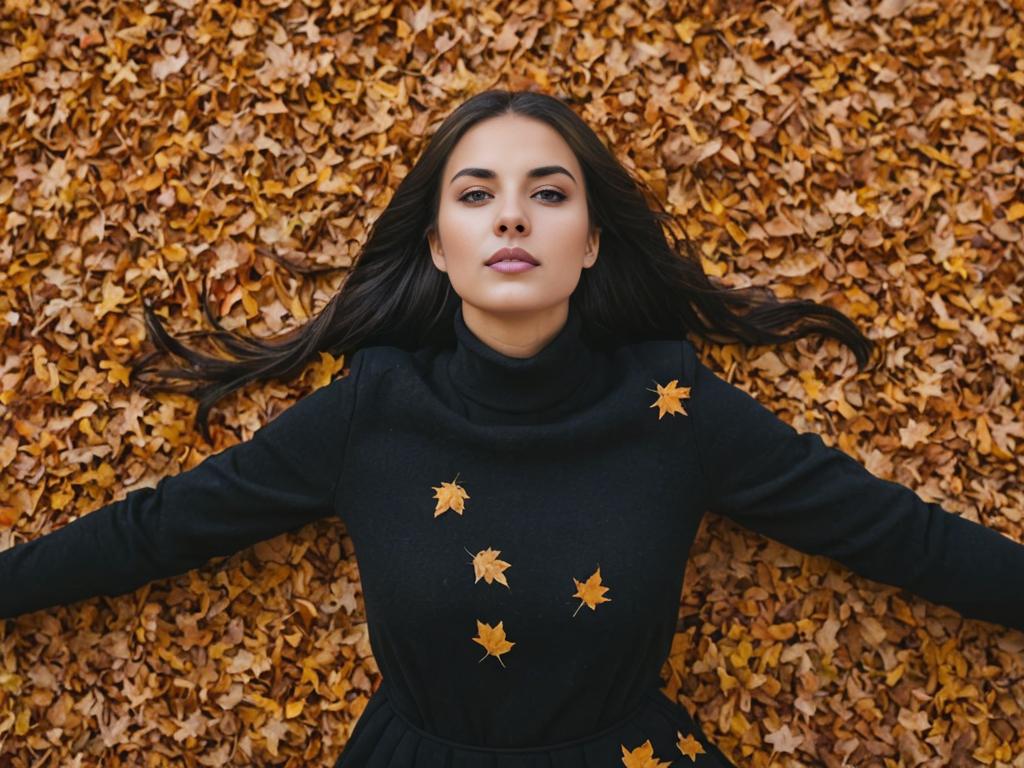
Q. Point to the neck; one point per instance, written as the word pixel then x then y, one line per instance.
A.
pixel 548 380
pixel 516 335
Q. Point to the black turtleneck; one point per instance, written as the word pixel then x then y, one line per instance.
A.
pixel 490 387
pixel 576 466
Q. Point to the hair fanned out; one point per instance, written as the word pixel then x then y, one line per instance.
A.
pixel 648 281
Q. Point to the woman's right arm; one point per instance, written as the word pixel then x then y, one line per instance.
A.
pixel 282 478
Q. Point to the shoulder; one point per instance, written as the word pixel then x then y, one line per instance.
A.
pixel 668 358
pixel 371 363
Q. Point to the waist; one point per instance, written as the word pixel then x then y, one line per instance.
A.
pixel 651 700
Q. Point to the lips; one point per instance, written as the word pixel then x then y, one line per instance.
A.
pixel 511 254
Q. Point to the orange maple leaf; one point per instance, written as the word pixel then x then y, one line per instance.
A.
pixel 449 496
pixel 493 639
pixel 669 397
pixel 642 757
pixel 590 592
pixel 488 567
pixel 689 746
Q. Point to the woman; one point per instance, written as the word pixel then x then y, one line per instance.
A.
pixel 522 452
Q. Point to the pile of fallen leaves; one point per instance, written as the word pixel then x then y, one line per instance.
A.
pixel 862 154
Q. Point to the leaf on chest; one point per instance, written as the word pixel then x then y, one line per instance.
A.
pixel 488 567
pixel 591 591
pixel 493 639
pixel 449 496
pixel 669 397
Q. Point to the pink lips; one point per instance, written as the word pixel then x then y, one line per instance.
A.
pixel 510 260
pixel 512 266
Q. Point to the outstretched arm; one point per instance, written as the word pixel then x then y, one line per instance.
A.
pixel 282 478
pixel 792 487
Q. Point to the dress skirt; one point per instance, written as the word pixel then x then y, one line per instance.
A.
pixel 384 738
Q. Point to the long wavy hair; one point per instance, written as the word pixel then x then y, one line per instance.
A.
pixel 647 283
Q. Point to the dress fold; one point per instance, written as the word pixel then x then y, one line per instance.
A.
pixel 384 738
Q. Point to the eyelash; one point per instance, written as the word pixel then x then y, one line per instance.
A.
pixel 474 191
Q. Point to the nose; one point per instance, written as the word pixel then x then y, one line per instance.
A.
pixel 511 218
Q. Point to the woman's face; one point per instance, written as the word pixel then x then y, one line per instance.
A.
pixel 516 312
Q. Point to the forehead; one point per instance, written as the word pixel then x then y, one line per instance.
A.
pixel 511 144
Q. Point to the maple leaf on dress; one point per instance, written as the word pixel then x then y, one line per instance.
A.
pixel 449 496
pixel 590 592
pixel 488 567
pixel 669 397
pixel 493 639
pixel 689 746
pixel 642 757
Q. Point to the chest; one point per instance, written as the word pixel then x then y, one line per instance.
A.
pixel 538 523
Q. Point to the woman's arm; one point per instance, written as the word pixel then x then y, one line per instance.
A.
pixel 282 478
pixel 793 488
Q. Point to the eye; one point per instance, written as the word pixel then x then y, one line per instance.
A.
pixel 557 199
pixel 553 192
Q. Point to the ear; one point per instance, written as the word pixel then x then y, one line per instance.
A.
pixel 436 254
pixel 593 244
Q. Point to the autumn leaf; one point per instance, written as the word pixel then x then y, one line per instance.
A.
pixel 488 567
pixel 783 740
pixel 669 397
pixel 642 757
pixel 449 496
pixel 93 223
pixel 590 592
pixel 493 639
pixel 689 746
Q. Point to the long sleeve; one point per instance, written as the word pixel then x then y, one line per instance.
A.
pixel 282 478
pixel 790 486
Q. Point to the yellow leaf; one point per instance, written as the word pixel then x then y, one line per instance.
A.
pixel 21 725
pixel 642 757
pixel 293 709
pixel 252 308
pixel 449 496
pixel 174 252
pixel 493 639
pixel 488 567
pixel 113 298
pixel 117 372
pixel 936 154
pixel 267 705
pixel 669 397
pixel 686 29
pixel 736 233
pixel 689 746
pixel 726 681
pixel 590 592
pixel 894 674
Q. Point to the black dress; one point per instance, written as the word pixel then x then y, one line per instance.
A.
pixel 521 527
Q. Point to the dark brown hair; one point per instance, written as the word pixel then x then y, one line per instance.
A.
pixel 647 282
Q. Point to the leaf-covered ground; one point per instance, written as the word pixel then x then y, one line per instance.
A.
pixel 862 154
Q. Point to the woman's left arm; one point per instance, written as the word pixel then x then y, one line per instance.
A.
pixel 792 487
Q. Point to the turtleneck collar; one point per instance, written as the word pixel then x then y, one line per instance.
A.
pixel 521 385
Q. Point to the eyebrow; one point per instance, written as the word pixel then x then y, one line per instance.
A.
pixel 486 173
